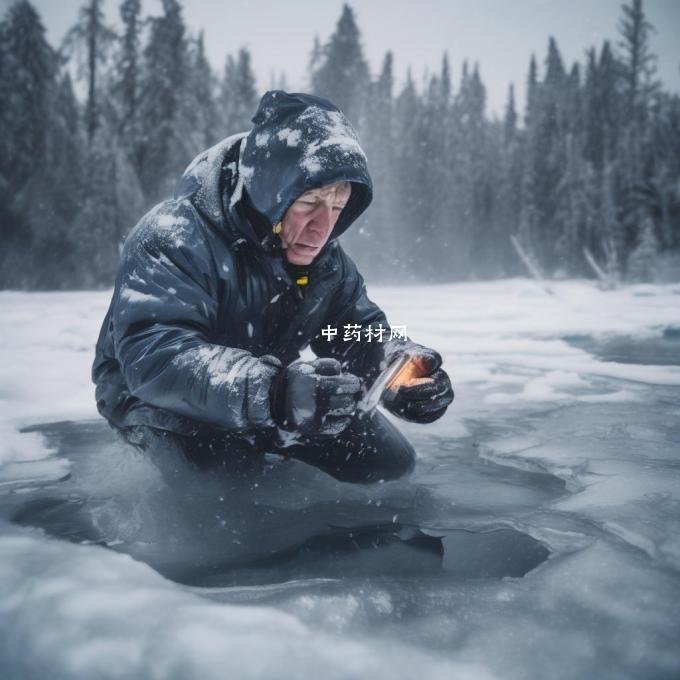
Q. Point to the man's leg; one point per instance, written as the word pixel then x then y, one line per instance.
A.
pixel 208 449
pixel 371 448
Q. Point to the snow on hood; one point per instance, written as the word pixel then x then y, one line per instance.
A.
pixel 299 142
pixel 201 181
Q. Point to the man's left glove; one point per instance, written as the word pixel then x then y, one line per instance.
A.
pixel 426 401
pixel 314 397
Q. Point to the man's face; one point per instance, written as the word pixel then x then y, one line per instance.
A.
pixel 308 223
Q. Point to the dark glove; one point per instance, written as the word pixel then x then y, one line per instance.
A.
pixel 423 402
pixel 314 397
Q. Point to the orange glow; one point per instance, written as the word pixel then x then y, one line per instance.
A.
pixel 410 375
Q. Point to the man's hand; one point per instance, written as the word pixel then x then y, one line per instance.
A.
pixel 314 397
pixel 424 399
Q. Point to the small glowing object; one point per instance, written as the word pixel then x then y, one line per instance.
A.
pixel 404 370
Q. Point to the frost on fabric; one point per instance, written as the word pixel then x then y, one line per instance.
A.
pixel 204 171
pixel 212 362
pixel 209 162
pixel 172 221
pixel 245 174
pixel 335 132
pixel 289 136
pixel 165 226
pixel 245 378
pixel 173 229
pixel 134 296
pixel 322 137
pixel 129 292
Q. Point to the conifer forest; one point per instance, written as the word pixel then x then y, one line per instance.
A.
pixel 583 176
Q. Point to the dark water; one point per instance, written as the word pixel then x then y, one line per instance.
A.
pixel 292 521
pixel 660 351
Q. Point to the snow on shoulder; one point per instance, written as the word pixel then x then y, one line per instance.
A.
pixel 167 224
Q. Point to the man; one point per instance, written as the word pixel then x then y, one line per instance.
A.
pixel 220 288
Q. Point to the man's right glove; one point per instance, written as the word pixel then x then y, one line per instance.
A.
pixel 425 400
pixel 314 397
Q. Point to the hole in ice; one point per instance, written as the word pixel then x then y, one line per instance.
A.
pixel 289 522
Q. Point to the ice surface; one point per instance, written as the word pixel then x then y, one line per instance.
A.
pixel 539 536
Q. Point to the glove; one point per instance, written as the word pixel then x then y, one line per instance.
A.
pixel 422 401
pixel 314 397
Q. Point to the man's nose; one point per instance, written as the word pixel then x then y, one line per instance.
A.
pixel 323 220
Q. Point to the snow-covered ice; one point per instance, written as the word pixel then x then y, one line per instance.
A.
pixel 539 536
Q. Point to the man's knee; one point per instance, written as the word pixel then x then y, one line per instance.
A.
pixel 394 454
pixel 373 450
pixel 205 450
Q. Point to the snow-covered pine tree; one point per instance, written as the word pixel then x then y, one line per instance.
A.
pixel 642 261
pixel 637 61
pixel 472 212
pixel 441 176
pixel 612 239
pixel 509 194
pixel 107 192
pixel 166 146
pixel 663 183
pixel 91 40
pixel 206 124
pixel 110 203
pixel 639 86
pixel 422 188
pixel 314 61
pixel 609 99
pixel 573 102
pixel 343 74
pixel 528 229
pixel 571 212
pixel 530 111
pixel 125 82
pixel 377 228
pixel 26 82
pixel 592 112
pixel 407 227
pixel 510 119
pixel 551 154
pixel 239 96
pixel 50 201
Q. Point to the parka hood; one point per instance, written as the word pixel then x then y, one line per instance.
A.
pixel 298 142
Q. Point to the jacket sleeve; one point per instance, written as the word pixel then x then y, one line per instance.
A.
pixel 163 321
pixel 352 307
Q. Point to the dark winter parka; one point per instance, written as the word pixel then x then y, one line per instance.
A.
pixel 205 310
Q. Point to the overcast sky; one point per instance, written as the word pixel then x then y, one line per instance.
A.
pixel 499 34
